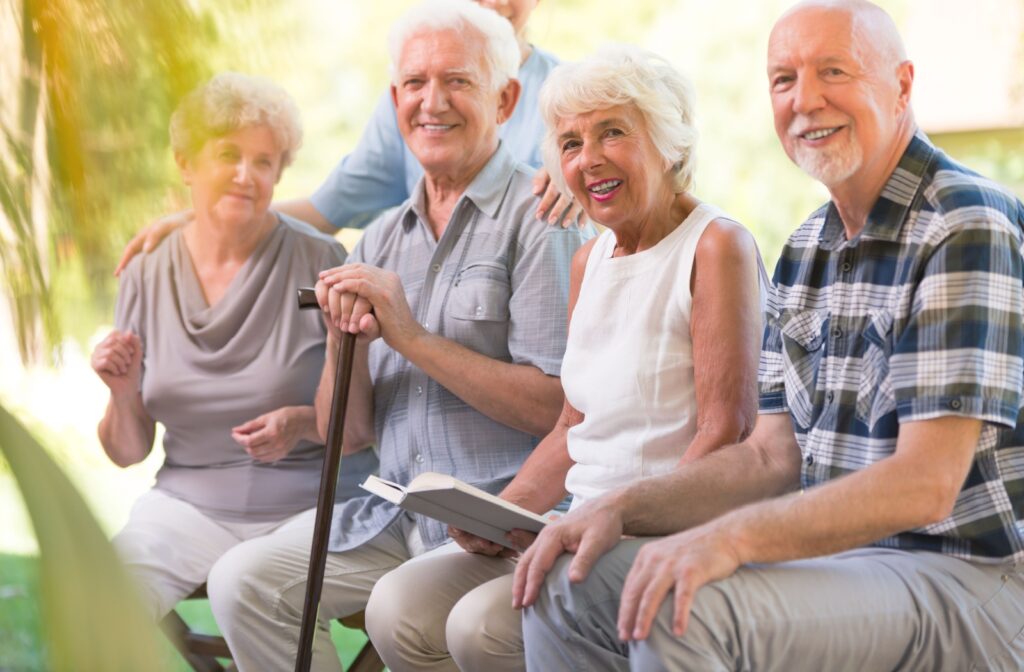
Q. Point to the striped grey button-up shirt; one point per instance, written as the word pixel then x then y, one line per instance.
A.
pixel 496 282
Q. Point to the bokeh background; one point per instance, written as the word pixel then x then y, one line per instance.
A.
pixel 87 87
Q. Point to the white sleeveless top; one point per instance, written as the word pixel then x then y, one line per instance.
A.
pixel 628 363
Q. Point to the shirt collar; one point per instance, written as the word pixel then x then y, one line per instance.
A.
pixel 901 190
pixel 486 191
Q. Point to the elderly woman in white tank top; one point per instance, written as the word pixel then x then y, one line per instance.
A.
pixel 209 343
pixel 661 362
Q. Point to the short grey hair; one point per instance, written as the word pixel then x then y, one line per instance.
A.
pixel 624 75
pixel 232 101
pixel 502 49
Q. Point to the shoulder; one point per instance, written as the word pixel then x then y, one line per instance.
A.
pixel 957 198
pixel 310 243
pixel 725 241
pixel 148 264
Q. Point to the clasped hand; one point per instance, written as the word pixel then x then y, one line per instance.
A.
pixel 368 301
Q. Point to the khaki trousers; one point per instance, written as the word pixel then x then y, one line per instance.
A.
pixel 868 609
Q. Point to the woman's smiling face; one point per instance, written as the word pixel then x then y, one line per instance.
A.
pixel 611 166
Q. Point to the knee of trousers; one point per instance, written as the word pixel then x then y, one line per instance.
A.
pixel 483 630
pixel 395 611
pixel 239 584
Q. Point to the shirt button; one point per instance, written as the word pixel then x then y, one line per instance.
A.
pixel 436 268
pixel 426 325
pixel 809 460
pixel 955 404
pixel 847 266
pixel 419 458
pixel 837 332
pixel 479 310
pixel 830 397
pixel 419 389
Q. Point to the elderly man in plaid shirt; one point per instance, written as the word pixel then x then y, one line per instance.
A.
pixel 874 520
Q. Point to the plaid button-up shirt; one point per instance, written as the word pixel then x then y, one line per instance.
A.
pixel 496 282
pixel 919 316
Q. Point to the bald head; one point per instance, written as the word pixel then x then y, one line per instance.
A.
pixel 873 31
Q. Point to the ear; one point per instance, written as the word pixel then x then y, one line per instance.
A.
pixel 184 167
pixel 507 99
pixel 394 95
pixel 905 77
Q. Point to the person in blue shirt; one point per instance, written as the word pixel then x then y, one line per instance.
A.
pixel 380 171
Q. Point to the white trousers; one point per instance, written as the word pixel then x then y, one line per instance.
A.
pixel 170 546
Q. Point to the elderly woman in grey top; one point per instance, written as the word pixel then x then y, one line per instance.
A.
pixel 209 342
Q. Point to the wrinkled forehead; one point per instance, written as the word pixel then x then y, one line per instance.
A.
pixel 445 49
pixel 814 35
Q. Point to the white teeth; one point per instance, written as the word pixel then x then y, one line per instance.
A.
pixel 436 127
pixel 605 187
pixel 817 135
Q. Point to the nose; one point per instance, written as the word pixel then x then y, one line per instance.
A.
pixel 807 95
pixel 243 172
pixel 435 98
pixel 591 154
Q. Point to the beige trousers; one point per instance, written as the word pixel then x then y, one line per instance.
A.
pixel 447 610
pixel 170 546
pixel 257 593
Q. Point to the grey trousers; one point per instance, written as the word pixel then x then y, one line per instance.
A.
pixel 868 609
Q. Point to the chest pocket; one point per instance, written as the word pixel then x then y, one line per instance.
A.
pixel 802 348
pixel 875 397
pixel 481 293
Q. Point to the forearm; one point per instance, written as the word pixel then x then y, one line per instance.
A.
pixel 359 425
pixel 707 488
pixel 126 431
pixel 540 483
pixel 916 486
pixel 520 396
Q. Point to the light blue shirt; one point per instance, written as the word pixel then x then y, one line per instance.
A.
pixel 495 282
pixel 381 172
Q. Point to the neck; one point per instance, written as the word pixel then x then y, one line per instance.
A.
pixel 214 243
pixel 855 197
pixel 648 231
pixel 443 189
pixel 525 49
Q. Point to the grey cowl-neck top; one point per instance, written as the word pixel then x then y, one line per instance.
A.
pixel 207 368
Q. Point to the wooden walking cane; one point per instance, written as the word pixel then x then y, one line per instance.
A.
pixel 328 482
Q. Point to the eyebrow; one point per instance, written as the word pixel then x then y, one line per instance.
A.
pixel 601 125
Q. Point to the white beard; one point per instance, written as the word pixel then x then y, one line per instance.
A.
pixel 830 165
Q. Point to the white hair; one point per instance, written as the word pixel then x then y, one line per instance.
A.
pixel 501 47
pixel 624 75
pixel 232 101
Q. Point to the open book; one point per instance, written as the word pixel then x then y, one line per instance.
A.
pixel 459 504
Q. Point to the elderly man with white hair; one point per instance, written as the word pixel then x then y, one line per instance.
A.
pixel 874 519
pixel 646 391
pixel 457 367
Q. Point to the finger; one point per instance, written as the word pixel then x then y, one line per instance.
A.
pixel 588 551
pixel 560 210
pixel 684 594
pixel 632 590
pixel 369 328
pixel 250 426
pixel 541 563
pixel 520 539
pixel 519 577
pixel 133 247
pixel 650 601
pixel 360 308
pixel 549 198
